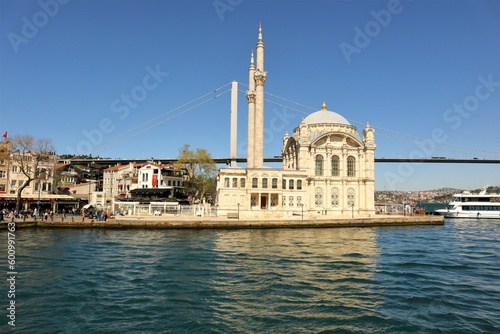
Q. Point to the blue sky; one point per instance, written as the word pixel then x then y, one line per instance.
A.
pixel 424 74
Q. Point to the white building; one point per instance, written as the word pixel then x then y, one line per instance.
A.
pixel 119 180
pixel 328 169
pixel 159 176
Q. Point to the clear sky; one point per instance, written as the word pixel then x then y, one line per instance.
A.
pixel 112 78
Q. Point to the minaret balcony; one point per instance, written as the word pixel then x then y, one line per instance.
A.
pixel 260 77
pixel 250 97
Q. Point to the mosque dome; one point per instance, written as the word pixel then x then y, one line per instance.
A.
pixel 324 116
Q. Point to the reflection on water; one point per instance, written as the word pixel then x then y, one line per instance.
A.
pixel 318 274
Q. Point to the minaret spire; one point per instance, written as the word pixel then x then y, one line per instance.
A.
pixel 251 114
pixel 252 63
pixel 251 71
pixel 260 77
pixel 260 50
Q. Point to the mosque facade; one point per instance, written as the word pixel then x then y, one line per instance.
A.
pixel 328 168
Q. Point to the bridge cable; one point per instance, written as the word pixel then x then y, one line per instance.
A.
pixel 165 120
pixel 160 116
pixel 465 151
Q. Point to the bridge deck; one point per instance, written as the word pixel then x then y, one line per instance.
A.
pixel 279 159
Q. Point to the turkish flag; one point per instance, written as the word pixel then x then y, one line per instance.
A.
pixel 6 134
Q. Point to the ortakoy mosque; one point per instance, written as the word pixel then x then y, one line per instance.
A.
pixel 328 169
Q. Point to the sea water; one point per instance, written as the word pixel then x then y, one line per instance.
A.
pixel 420 279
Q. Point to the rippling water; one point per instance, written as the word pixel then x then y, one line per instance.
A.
pixel 424 279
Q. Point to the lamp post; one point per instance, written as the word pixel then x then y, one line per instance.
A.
pixel 90 179
pixel 238 211
pixel 352 208
pixel 38 202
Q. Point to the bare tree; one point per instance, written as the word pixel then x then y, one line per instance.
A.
pixel 32 157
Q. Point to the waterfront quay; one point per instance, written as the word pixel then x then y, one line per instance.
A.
pixel 190 222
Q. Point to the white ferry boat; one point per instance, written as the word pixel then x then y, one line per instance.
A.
pixel 468 205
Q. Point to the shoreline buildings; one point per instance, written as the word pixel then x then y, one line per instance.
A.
pixel 19 166
pixel 328 169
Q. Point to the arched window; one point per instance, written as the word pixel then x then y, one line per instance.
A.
pixel 318 197
pixel 275 183
pixel 335 165
pixel 226 182
pixel 299 184
pixel 351 166
pixel 283 184
pixel 335 197
pixel 235 182
pixel 319 165
pixel 254 182
pixel 242 182
pixel 290 184
pixel 350 197
pixel 264 182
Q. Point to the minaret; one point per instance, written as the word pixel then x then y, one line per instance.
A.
pixel 259 77
pixel 251 115
pixel 234 124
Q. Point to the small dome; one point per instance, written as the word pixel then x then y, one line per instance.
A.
pixel 325 116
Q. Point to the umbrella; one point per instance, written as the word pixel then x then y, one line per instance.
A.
pixel 86 206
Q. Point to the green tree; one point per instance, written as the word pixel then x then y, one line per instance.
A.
pixel 34 158
pixel 201 172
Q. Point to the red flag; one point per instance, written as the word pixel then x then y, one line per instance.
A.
pixel 6 134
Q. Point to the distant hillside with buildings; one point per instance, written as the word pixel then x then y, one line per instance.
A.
pixel 441 195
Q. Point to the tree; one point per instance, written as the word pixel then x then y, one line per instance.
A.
pixel 34 158
pixel 201 172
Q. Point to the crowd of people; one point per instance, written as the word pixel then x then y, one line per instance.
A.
pixel 45 214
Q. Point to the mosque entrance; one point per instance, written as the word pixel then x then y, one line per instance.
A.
pixel 263 202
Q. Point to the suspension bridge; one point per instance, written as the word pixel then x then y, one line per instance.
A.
pixel 480 156
pixel 219 161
